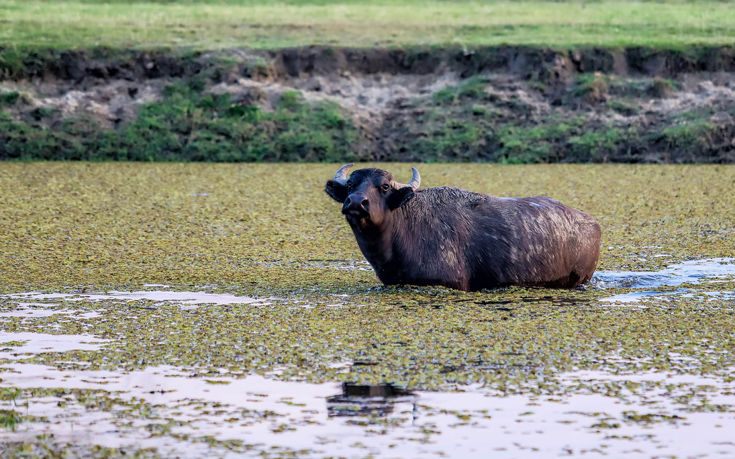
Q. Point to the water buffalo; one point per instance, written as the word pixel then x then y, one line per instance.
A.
pixel 464 240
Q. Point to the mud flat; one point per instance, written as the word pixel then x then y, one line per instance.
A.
pixel 507 104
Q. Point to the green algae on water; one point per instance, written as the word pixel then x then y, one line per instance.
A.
pixel 269 231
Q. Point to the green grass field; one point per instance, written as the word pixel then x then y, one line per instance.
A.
pixel 261 24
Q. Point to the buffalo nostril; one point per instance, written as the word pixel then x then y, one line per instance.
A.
pixel 355 204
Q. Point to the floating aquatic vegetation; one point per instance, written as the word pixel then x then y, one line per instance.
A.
pixel 286 293
pixel 124 225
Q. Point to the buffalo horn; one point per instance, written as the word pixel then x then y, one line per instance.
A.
pixel 341 175
pixel 414 183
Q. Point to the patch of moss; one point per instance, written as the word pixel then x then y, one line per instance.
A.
pixel 471 88
pixel 12 63
pixel 536 144
pixel 689 134
pixel 595 146
pixel 662 87
pixel 9 419
pixel 9 98
pixel 622 106
pixel 592 87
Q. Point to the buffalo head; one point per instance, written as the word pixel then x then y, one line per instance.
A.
pixel 368 196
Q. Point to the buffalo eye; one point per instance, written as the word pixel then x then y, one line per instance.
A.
pixel 384 187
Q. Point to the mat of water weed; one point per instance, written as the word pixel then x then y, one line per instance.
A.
pixel 289 297
pixel 270 228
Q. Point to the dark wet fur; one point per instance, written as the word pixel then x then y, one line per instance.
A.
pixel 470 241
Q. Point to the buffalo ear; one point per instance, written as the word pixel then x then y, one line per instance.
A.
pixel 399 197
pixel 336 190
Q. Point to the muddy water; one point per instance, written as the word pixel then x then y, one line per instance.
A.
pixel 642 283
pixel 649 413
pixel 268 415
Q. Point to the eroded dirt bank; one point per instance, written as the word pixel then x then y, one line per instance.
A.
pixel 505 104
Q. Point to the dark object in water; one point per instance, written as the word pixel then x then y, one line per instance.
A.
pixel 367 399
pixel 350 389
pixel 464 240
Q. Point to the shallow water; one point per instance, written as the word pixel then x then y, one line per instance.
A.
pixel 256 410
pixel 174 297
pixel 693 272
pixel 135 316
pixel 32 310
pixel 34 343
pixel 689 272
pixel 649 412
pixel 639 282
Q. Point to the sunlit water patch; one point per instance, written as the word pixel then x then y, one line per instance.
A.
pixel 185 299
pixel 254 414
pixel 642 283
pixel 14 344
pixel 35 310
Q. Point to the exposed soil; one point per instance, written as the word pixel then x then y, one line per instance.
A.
pixel 651 105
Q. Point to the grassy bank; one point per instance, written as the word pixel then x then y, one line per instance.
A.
pixel 587 83
pixel 261 24
pixel 186 125
pixel 592 119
